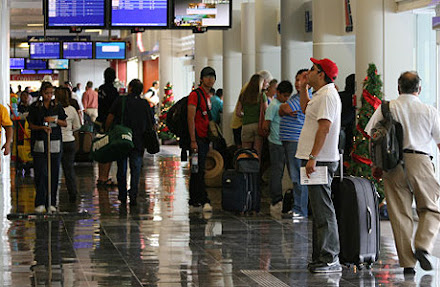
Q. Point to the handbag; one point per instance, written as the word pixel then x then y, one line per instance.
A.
pixel 261 131
pixel 115 144
pixel 151 141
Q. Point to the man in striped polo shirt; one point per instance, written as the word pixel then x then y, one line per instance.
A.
pixel 292 121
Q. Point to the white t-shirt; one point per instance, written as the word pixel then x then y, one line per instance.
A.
pixel 73 124
pixel 325 105
pixel 420 122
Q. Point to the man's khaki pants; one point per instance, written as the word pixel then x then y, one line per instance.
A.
pixel 420 175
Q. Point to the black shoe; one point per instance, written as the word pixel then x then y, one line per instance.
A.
pixel 326 267
pixel 422 257
pixel 72 198
pixel 409 271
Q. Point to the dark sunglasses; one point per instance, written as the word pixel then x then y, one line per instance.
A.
pixel 313 69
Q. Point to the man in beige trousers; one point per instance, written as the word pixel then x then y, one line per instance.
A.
pixel 421 126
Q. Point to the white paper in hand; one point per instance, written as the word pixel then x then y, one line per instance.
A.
pixel 320 176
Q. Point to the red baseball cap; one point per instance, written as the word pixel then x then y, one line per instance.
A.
pixel 328 66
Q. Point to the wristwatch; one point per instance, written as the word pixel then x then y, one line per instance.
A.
pixel 311 156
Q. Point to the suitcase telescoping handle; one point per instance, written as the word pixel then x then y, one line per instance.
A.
pixel 341 164
pixel 369 220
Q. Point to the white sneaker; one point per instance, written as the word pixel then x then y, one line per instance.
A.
pixel 40 209
pixel 207 207
pixel 276 208
pixel 52 208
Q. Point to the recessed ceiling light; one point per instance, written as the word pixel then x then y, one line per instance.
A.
pixel 35 25
pixel 24 45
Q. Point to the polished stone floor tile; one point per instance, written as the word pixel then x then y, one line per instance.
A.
pixel 159 243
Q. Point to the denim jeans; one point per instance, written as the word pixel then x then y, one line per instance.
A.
pixel 67 161
pixel 300 192
pixel 135 159
pixel 277 161
pixel 197 188
pixel 41 178
pixel 325 238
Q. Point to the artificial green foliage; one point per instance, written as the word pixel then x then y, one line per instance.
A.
pixel 360 164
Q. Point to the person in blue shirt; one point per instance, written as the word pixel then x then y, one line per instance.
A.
pixel 276 150
pixel 292 121
pixel 217 105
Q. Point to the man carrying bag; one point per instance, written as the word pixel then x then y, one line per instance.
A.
pixel 136 116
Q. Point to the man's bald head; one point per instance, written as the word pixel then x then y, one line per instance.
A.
pixel 409 83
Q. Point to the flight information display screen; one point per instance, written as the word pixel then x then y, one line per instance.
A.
pixel 109 50
pixel 78 50
pixel 36 64
pixel 16 63
pixel 139 13
pixel 75 13
pixel 190 13
pixel 28 72
pixel 59 64
pixel 44 50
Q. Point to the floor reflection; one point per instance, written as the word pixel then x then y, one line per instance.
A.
pixel 158 243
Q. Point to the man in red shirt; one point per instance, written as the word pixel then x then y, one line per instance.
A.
pixel 198 122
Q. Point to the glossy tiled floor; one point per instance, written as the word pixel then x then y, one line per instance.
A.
pixel 160 244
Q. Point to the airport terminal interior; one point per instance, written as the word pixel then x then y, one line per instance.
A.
pixel 96 240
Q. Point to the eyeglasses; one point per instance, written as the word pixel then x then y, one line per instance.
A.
pixel 313 69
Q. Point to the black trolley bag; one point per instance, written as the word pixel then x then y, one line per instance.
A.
pixel 357 211
pixel 240 186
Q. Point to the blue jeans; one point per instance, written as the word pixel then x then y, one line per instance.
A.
pixel 300 192
pixel 197 188
pixel 277 161
pixel 325 238
pixel 135 158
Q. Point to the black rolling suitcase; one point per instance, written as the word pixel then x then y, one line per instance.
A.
pixel 356 204
pixel 240 187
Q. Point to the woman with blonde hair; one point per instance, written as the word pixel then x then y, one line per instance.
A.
pixel 248 108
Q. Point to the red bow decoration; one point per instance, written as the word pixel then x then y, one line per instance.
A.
pixel 361 159
pixel 372 100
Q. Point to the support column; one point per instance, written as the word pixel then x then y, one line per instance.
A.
pixel 5 178
pixel 248 41
pixel 200 55
pixel 215 55
pixel 369 40
pixel 330 39
pixel 232 76
pixel 165 60
pixel 267 46
pixel 295 49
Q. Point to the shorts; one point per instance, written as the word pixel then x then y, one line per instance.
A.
pixel 249 133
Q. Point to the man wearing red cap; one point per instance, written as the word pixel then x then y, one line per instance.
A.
pixel 318 146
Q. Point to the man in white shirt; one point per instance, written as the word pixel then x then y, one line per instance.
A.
pixel 318 146
pixel 421 126
pixel 152 96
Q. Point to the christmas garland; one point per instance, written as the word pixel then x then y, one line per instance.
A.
pixel 375 102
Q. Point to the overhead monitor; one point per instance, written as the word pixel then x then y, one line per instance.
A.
pixel 193 13
pixel 36 64
pixel 75 13
pixel 78 50
pixel 28 72
pixel 45 72
pixel 110 50
pixel 16 63
pixel 44 50
pixel 59 64
pixel 139 13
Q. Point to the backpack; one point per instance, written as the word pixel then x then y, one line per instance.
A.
pixel 177 121
pixel 386 145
